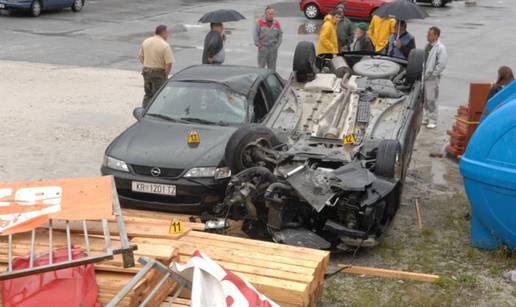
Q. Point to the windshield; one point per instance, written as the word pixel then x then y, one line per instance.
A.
pixel 200 103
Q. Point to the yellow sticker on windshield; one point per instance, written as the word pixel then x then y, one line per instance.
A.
pixel 349 139
pixel 194 138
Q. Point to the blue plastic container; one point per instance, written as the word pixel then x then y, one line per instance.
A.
pixel 489 170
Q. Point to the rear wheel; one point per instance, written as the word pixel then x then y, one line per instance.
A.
pixel 389 163
pixel 35 9
pixel 304 61
pixel 438 3
pixel 416 61
pixel 312 11
pixel 77 5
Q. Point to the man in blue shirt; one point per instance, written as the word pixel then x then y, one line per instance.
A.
pixel 401 42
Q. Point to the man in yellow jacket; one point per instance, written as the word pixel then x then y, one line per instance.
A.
pixel 380 30
pixel 328 42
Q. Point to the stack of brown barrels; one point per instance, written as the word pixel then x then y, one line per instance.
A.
pixel 468 119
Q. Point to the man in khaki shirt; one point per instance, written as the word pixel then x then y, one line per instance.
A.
pixel 157 58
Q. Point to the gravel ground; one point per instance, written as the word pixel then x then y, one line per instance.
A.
pixel 57 121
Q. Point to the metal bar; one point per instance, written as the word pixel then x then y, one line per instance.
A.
pixel 155 290
pixel 176 295
pixel 107 235
pixel 128 256
pixel 68 240
pixel 10 254
pixel 50 243
pixel 163 269
pixel 86 238
pixel 129 286
pixel 54 267
pixel 32 243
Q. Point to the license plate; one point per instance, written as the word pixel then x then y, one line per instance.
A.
pixel 2 6
pixel 154 188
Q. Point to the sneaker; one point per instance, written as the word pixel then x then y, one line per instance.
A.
pixel 431 126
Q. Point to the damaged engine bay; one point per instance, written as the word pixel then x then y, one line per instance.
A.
pixel 326 168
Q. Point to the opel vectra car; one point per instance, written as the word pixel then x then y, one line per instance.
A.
pixel 173 156
pixel 35 7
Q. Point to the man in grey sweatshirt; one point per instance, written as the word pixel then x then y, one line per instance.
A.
pixel 436 60
pixel 268 37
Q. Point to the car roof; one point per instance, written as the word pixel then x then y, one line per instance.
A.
pixel 240 79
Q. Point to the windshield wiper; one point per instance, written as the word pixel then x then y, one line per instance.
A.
pixel 202 121
pixel 165 117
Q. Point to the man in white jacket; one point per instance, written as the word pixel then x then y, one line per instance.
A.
pixel 436 59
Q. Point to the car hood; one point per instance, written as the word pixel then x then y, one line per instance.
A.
pixel 160 143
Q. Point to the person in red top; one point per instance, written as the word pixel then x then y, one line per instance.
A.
pixel 267 37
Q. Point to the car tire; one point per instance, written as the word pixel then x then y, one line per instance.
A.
pixel 415 66
pixel 438 3
pixel 236 155
pixel 36 8
pixel 304 60
pixel 389 160
pixel 77 5
pixel 312 11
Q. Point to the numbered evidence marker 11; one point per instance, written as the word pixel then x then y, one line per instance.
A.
pixel 176 226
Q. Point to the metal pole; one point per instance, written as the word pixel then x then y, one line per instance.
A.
pixel 50 243
pixel 155 290
pixel 127 256
pixel 68 240
pixel 129 286
pixel 86 238
pixel 32 242
pixel 107 235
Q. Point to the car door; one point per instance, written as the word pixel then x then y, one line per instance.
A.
pixel 357 8
pixel 329 5
pixel 58 4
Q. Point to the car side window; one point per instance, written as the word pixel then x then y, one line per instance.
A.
pixel 260 105
pixel 275 87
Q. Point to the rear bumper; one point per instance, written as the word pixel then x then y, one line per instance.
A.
pixel 192 195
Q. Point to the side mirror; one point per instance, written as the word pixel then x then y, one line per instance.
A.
pixel 138 113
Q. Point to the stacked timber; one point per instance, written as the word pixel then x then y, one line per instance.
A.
pixel 467 119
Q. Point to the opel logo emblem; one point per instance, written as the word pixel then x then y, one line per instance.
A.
pixel 155 172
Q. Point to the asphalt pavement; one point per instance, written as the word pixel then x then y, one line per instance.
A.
pixel 107 34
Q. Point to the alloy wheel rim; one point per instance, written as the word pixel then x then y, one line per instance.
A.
pixel 36 8
pixel 78 4
pixel 436 2
pixel 311 11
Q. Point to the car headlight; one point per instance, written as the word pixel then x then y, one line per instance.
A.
pixel 115 164
pixel 216 173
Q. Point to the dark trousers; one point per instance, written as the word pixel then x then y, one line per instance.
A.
pixel 153 79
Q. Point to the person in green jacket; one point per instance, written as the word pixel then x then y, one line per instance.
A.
pixel 344 29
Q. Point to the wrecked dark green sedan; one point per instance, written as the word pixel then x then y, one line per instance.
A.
pixel 173 156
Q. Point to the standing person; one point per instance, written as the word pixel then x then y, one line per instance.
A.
pixel 268 37
pixel 157 58
pixel 344 30
pixel 401 41
pixel 328 44
pixel 213 52
pixel 380 30
pixel 362 41
pixel 505 76
pixel 436 60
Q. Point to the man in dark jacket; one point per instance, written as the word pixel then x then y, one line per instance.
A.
pixel 401 42
pixel 362 42
pixel 268 37
pixel 344 29
pixel 213 52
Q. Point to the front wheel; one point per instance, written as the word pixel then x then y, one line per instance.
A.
pixel 77 5
pixel 35 9
pixel 312 11
pixel 438 3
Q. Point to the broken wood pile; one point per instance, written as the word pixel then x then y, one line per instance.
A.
pixel 290 276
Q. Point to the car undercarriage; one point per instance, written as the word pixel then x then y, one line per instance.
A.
pixel 326 170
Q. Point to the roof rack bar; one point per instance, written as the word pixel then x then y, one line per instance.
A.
pixel 68 241
pixel 50 243
pixel 86 239
pixel 32 243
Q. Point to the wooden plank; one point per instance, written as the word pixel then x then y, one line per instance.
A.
pixel 389 273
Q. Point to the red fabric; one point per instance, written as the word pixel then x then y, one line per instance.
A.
pixel 71 287
pixel 264 23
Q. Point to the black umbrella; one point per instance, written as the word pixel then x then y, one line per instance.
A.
pixel 221 16
pixel 401 10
